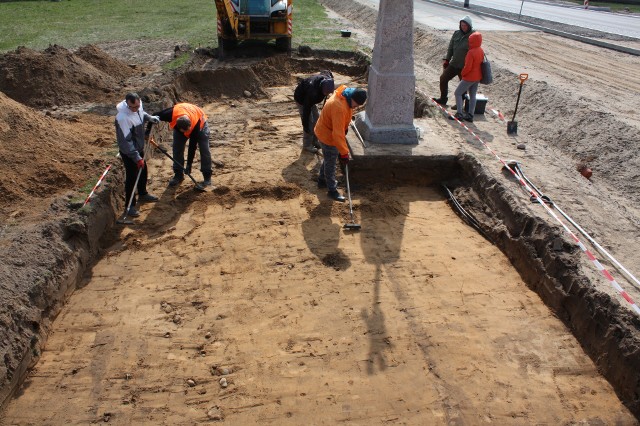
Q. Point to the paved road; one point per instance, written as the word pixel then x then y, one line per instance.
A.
pixel 614 23
pixel 444 18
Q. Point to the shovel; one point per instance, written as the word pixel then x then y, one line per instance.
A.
pixel 198 187
pixel 512 126
pixel 124 220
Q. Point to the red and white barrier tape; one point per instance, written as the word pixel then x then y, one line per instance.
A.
pixel 586 251
pixel 97 185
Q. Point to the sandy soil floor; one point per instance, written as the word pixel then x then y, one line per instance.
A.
pixel 257 284
pixel 250 304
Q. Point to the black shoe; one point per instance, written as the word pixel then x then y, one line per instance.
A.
pixel 468 117
pixel 176 180
pixel 440 101
pixel 148 198
pixel 458 116
pixel 322 183
pixel 335 195
pixel 312 149
pixel 133 212
pixel 206 182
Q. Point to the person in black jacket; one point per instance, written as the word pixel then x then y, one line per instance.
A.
pixel 309 92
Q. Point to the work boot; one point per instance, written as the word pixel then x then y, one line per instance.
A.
pixel 206 182
pixel 133 212
pixel 335 195
pixel 312 149
pixel 176 180
pixel 440 101
pixel 468 117
pixel 148 198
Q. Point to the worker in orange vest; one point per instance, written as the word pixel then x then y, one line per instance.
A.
pixel 331 130
pixel 188 122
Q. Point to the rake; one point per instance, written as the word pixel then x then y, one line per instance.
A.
pixel 352 226
pixel 197 187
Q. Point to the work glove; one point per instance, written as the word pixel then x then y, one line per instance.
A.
pixel 344 159
pixel 140 163
pixel 445 63
pixel 154 119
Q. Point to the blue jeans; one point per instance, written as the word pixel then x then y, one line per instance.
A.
pixel 328 168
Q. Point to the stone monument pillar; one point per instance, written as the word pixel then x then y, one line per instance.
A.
pixel 388 115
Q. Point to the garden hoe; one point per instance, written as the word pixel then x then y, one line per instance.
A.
pixel 352 226
pixel 198 187
pixel 512 126
pixel 124 220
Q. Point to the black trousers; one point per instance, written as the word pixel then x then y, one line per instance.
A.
pixel 131 173
pixel 448 74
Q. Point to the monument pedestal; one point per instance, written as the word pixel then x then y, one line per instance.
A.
pixel 388 116
pixel 407 134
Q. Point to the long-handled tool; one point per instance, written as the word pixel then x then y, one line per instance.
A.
pixel 124 220
pixel 355 129
pixel 634 281
pixel 512 126
pixel 353 226
pixel 198 187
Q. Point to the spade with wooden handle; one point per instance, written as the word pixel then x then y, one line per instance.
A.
pixel 512 126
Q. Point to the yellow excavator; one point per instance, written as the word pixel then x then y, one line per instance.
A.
pixel 240 20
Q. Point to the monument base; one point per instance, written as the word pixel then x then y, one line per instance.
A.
pixel 394 134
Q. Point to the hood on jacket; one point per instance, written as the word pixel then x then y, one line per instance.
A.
pixel 467 19
pixel 123 107
pixel 475 40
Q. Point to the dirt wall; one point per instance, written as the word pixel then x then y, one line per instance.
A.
pixel 548 263
pixel 42 264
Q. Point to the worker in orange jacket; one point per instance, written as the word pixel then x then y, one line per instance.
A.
pixel 331 130
pixel 188 122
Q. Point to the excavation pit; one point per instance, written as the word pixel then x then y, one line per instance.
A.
pixel 416 316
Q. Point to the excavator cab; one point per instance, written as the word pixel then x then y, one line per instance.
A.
pixel 240 20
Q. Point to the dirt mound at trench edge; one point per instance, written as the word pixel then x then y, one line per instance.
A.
pixel 104 62
pixel 41 157
pixel 233 80
pixel 56 76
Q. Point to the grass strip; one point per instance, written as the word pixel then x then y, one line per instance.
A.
pixel 74 23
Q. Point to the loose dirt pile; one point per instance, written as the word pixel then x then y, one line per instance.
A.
pixel 105 62
pixel 56 76
pixel 41 157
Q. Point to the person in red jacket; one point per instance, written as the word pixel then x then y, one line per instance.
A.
pixel 471 76
pixel 331 130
